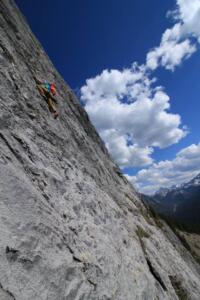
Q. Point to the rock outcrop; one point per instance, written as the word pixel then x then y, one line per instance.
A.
pixel 71 226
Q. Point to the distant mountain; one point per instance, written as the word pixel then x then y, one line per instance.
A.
pixel 180 203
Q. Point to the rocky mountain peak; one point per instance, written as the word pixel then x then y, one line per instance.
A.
pixel 162 191
pixel 194 182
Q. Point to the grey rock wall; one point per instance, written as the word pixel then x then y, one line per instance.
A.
pixel 71 226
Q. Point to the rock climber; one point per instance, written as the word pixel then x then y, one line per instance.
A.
pixel 47 91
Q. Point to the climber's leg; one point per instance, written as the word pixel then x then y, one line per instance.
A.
pixel 41 90
pixel 52 107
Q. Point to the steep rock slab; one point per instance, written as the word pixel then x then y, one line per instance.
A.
pixel 71 226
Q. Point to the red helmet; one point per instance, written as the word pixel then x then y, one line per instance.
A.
pixel 53 89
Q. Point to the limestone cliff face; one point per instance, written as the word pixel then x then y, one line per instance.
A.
pixel 71 226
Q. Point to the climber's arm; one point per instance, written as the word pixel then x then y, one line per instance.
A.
pixel 38 81
pixel 54 99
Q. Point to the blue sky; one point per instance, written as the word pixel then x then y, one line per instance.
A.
pixel 86 38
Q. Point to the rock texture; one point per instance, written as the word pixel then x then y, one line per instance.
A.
pixel 71 226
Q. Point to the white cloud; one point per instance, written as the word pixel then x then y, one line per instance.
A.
pixel 126 154
pixel 189 14
pixel 184 167
pixel 171 51
pixel 130 115
pixel 177 43
pixel 133 117
pixel 117 83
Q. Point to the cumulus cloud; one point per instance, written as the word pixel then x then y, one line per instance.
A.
pixel 184 167
pixel 188 13
pixel 170 54
pixel 171 51
pixel 177 43
pixel 125 154
pixel 130 115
